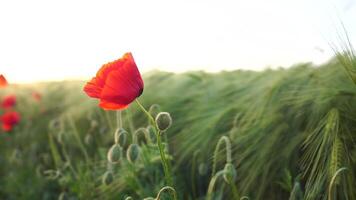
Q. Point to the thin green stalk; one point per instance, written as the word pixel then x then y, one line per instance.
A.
pixel 129 118
pixel 235 193
pixel 119 118
pixel 77 137
pixel 333 179
pixel 216 152
pixel 212 184
pixel 160 146
pixel 169 189
pixel 67 157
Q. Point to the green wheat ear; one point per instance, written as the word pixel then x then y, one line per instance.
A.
pixel 345 54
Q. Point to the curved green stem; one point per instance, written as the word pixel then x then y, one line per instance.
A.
pixel 168 188
pixel 216 152
pixel 333 179
pixel 235 193
pixel 165 164
pixel 212 184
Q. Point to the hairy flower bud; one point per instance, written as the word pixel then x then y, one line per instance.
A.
pixel 154 110
pixel 230 173
pixel 163 121
pixel 140 136
pixel 108 178
pixel 133 153
pixel 121 137
pixel 115 153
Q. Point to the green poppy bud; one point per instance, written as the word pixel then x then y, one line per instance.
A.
pixel 108 178
pixel 154 110
pixel 121 137
pixel 115 153
pixel 230 173
pixel 133 152
pixel 140 136
pixel 163 121
pixel 150 134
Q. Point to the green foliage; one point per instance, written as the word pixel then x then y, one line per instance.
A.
pixel 291 130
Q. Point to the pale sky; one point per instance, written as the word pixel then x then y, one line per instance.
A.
pixel 70 39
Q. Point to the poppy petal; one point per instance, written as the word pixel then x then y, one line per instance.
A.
pixel 112 106
pixel 116 84
pixel 92 89
pixel 3 81
pixel 6 127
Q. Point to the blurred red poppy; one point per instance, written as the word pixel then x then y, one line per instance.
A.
pixel 9 120
pixel 116 84
pixel 37 96
pixel 3 81
pixel 8 101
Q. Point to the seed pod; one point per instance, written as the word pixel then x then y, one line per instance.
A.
pixel 150 134
pixel 154 110
pixel 202 169
pixel 230 173
pixel 140 136
pixel 163 121
pixel 63 196
pixel 115 153
pixel 108 178
pixel 133 153
pixel 121 137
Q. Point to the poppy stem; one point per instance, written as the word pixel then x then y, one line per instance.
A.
pixel 160 146
pixel 119 119
pixel 169 189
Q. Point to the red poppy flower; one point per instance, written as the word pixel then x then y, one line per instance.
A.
pixel 8 101
pixel 3 81
pixel 9 120
pixel 37 96
pixel 116 84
